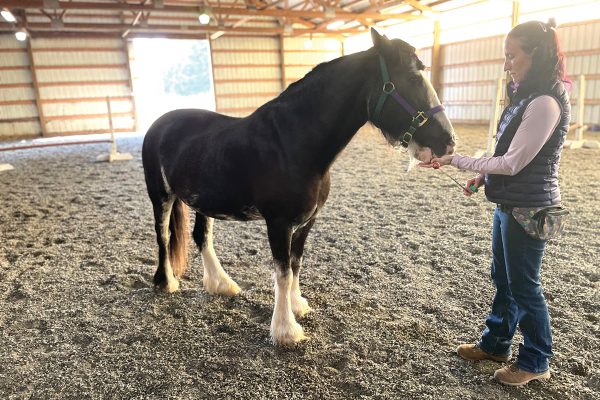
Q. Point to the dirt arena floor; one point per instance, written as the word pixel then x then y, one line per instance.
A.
pixel 396 270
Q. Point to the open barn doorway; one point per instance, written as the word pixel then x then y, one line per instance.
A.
pixel 169 74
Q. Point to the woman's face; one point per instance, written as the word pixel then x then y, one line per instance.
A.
pixel 516 62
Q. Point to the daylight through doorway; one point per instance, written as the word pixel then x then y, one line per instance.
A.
pixel 169 74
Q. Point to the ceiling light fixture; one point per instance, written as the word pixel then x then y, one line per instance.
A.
pixel 7 15
pixel 205 15
pixel 21 35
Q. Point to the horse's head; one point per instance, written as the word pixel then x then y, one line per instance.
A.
pixel 403 103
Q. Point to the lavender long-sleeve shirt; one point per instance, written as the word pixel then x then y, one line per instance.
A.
pixel 540 118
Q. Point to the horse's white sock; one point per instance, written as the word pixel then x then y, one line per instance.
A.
pixel 284 328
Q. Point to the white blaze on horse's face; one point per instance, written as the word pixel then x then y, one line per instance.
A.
pixel 441 116
pixel 417 152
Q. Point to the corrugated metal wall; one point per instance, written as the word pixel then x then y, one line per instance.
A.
pixel 581 44
pixel 425 55
pixel 302 54
pixel 246 72
pixel 73 78
pixel 18 113
pixel 249 71
pixel 470 71
pixel 469 74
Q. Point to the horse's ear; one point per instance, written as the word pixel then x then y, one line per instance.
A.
pixel 382 43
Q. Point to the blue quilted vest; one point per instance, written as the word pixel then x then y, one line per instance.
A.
pixel 536 185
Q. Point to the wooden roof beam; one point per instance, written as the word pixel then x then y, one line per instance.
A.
pixel 418 6
pixel 38 4
pixel 94 27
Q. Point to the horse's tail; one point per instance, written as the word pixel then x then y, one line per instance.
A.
pixel 180 237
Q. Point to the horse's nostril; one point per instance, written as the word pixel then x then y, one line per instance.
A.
pixel 450 149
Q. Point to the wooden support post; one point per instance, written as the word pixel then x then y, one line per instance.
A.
pixel 516 13
pixel 212 70
pixel 496 116
pixel 127 43
pixel 515 17
pixel 580 109
pixel 114 155
pixel 435 60
pixel 111 128
pixel 36 89
pixel 282 61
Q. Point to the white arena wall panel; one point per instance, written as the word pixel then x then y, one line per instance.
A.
pixel 246 72
pixel 18 111
pixel 470 70
pixel 88 125
pixel 581 44
pixel 300 57
pixel 468 78
pixel 96 91
pixel 426 55
pixel 73 78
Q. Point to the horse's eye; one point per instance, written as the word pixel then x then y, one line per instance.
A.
pixel 415 79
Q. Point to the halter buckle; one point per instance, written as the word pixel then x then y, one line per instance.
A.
pixel 421 118
pixel 406 138
pixel 388 87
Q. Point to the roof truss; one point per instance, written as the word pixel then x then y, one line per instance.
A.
pixel 179 18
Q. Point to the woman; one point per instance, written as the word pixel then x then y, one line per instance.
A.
pixel 523 172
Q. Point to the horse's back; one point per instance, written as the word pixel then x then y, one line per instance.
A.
pixel 174 132
pixel 181 126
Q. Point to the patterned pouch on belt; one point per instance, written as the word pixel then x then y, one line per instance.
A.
pixel 542 223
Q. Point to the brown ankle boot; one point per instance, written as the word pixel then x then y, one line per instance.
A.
pixel 472 352
pixel 515 376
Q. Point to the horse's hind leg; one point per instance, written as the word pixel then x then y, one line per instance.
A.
pixel 215 279
pixel 299 304
pixel 164 278
pixel 284 328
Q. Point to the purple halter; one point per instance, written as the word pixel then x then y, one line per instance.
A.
pixel 418 117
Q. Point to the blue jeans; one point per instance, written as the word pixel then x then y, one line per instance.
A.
pixel 519 299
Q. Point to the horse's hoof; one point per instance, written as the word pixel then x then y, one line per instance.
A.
pixel 288 337
pixel 169 287
pixel 300 306
pixel 227 288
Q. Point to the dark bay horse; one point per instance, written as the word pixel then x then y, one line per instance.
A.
pixel 274 164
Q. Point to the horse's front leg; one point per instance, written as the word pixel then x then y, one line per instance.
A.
pixel 284 328
pixel 300 305
pixel 215 279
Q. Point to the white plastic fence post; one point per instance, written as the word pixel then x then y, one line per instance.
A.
pixel 494 120
pixel 580 108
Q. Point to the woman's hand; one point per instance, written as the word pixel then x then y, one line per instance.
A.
pixel 437 162
pixel 477 182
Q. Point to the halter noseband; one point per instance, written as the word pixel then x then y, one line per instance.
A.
pixel 418 117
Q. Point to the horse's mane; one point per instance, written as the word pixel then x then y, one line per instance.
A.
pixel 321 71
pixel 318 72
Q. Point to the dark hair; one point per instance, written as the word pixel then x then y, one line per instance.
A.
pixel 541 41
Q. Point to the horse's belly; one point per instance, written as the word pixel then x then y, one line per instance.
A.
pixel 224 210
pixel 244 214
